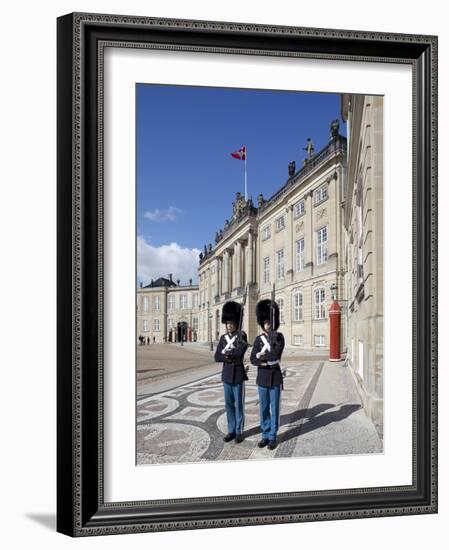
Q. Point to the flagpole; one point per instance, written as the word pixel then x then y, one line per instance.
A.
pixel 246 154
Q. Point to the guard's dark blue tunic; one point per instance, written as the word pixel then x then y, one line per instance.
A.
pixel 233 371
pixel 268 367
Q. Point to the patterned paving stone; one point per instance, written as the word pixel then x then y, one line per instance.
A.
pixel 196 414
pixel 162 443
pixel 187 424
pixel 155 406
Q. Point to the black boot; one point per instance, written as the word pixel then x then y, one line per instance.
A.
pixel 272 445
pixel 263 443
pixel 238 438
pixel 228 437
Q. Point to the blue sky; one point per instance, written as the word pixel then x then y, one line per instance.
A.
pixel 186 177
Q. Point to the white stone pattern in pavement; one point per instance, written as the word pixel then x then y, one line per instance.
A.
pixel 187 424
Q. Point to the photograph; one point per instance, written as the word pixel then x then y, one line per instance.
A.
pixel 259 274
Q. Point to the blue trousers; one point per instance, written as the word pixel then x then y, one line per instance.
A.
pixel 269 407
pixel 234 403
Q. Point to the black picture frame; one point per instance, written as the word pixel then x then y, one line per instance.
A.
pixel 81 510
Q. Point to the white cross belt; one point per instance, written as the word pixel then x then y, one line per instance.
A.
pixel 230 343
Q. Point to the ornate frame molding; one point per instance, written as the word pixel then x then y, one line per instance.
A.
pixel 81 41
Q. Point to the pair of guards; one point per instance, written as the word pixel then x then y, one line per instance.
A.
pixel 266 354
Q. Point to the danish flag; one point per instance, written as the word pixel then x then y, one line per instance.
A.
pixel 240 154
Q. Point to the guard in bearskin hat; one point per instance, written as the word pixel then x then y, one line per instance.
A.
pixel 266 355
pixel 230 351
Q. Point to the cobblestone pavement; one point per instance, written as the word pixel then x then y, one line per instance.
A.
pixel 321 414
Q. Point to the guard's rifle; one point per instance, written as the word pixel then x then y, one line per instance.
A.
pixel 239 329
pixel 272 315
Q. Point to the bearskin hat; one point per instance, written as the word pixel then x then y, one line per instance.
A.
pixel 231 312
pixel 263 313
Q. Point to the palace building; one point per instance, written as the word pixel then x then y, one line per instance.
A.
pixel 294 240
pixel 168 311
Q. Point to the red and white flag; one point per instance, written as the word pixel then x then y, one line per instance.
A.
pixel 240 154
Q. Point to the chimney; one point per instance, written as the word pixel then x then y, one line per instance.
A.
pixel 190 282
pixel 170 275
pixel 141 284
pixel 178 282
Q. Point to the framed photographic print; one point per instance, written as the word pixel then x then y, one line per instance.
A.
pixel 247 274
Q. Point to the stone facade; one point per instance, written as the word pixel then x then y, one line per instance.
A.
pixel 363 224
pixel 295 240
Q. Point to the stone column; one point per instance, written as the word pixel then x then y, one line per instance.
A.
pixel 228 272
pixel 234 264
pixel 238 265
pixel 311 241
pixel 250 258
pixel 291 250
pixel 225 271
pixel 219 275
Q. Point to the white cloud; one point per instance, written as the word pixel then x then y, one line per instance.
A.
pixel 158 261
pixel 157 215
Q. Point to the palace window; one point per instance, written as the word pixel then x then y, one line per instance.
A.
pixel 171 301
pixel 321 246
pixel 266 232
pixel 300 208
pixel 145 304
pixel 280 303
pixel 298 340
pixel 156 324
pixel 280 223
pixel 195 300
pixel 297 306
pixel 183 301
pixel 320 303
pixel 195 323
pixel 145 325
pixel 321 194
pixel 319 340
pixel 280 264
pixel 266 269
pixel 157 303
pixel 300 255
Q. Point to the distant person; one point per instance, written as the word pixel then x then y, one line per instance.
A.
pixel 230 351
pixel 266 355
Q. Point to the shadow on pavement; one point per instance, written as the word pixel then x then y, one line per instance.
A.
pixel 295 416
pixel 316 422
